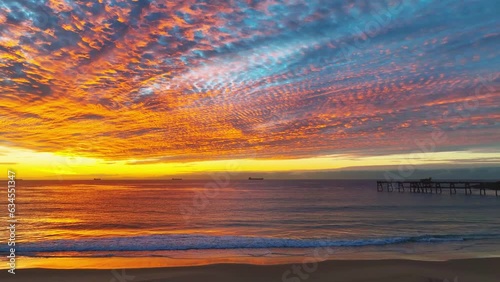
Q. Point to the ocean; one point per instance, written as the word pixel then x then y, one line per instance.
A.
pixel 188 222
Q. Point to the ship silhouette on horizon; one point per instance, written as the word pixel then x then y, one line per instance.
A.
pixel 255 178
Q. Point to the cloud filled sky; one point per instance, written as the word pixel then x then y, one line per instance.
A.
pixel 183 81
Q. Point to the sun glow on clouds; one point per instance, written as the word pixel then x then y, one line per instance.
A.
pixel 123 85
pixel 36 165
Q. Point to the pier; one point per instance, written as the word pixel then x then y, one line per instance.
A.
pixel 427 186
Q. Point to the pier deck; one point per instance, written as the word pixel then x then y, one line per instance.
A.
pixel 430 187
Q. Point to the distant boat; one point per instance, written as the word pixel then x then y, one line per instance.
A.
pixel 176 178
pixel 97 179
pixel 255 178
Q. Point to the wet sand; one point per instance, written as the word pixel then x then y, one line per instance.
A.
pixel 468 270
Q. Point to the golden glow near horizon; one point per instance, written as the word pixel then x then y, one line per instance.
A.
pixel 35 165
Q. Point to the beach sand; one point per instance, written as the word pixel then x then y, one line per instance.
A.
pixel 468 270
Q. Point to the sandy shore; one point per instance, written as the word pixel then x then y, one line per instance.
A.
pixel 470 270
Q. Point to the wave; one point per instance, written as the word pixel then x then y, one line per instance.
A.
pixel 204 242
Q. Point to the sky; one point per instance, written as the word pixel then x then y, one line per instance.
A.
pixel 157 88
